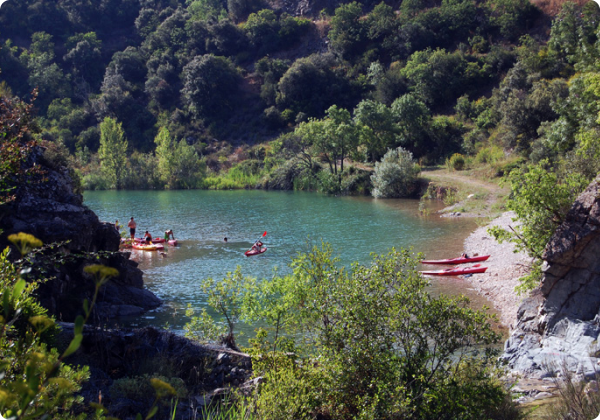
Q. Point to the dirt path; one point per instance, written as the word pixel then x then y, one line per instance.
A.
pixel 475 197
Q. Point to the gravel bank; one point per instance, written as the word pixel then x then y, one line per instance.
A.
pixel 505 267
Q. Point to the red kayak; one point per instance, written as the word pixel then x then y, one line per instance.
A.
pixel 459 260
pixel 252 252
pixel 456 271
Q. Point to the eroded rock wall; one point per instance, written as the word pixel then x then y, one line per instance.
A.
pixel 560 321
pixel 50 208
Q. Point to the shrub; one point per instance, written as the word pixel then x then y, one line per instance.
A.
pixel 396 175
pixel 456 162
pixel 34 381
pixel 490 154
pixel 376 345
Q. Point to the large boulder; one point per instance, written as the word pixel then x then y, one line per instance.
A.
pixel 559 323
pixel 50 208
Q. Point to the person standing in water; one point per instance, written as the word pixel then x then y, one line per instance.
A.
pixel 132 225
pixel 169 234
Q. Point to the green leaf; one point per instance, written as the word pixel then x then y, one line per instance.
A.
pixel 152 412
pixel 18 289
pixel 79 325
pixel 75 343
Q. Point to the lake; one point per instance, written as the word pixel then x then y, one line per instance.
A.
pixel 294 222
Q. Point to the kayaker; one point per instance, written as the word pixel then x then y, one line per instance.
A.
pixel 225 240
pixel 132 225
pixel 257 245
pixel 169 235
pixel 148 237
pixel 464 255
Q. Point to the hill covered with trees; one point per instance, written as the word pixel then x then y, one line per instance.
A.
pixel 215 94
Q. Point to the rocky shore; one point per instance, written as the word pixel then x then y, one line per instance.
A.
pixel 505 267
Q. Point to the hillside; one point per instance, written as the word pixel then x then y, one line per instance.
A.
pixel 214 94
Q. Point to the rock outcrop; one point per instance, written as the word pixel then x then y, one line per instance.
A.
pixel 206 371
pixel 559 324
pixel 50 208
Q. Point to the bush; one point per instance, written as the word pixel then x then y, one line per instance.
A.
pixel 376 345
pixel 34 381
pixel 491 154
pixel 456 162
pixel 396 175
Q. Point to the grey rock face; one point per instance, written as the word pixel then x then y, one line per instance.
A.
pixel 560 322
pixel 50 209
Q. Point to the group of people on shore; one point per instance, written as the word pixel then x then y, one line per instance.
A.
pixel 132 225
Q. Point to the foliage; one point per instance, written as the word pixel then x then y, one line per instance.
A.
pixel 225 297
pixel 312 84
pixel 178 164
pixel 113 152
pixel 202 328
pixel 456 162
pixel 371 343
pixel 246 174
pixel 379 130
pixel 347 29
pixel 16 145
pixel 541 201
pixel 35 381
pixel 210 86
pixel 395 175
pixel 335 138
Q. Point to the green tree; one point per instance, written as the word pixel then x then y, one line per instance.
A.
pixel 396 175
pixel 189 169
pixel 311 85
pixel 371 343
pixel 206 9
pixel 436 76
pixel 165 153
pixel 540 200
pixel 378 128
pixel 413 118
pixel 512 17
pixel 334 137
pixel 210 86
pixel 44 73
pixel 113 151
pixel 85 56
pixel 347 29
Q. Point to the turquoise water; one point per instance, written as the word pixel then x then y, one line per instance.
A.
pixel 294 221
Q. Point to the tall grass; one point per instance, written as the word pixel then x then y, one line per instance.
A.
pixel 236 178
pixel 227 410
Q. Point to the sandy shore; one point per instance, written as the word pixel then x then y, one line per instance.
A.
pixel 504 270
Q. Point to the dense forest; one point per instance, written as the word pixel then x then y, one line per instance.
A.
pixel 245 94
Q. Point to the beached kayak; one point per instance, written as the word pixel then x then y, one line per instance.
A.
pixel 459 260
pixel 252 252
pixel 477 268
